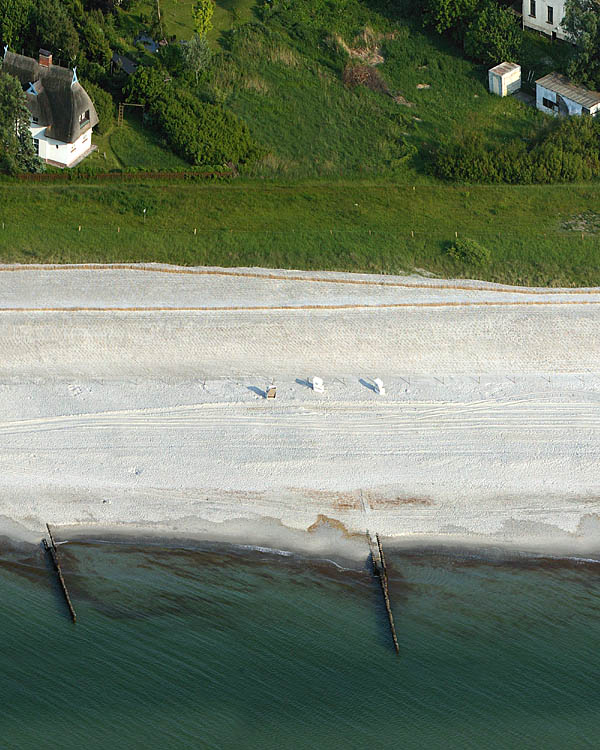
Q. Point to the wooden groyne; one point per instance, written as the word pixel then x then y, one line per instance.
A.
pixel 380 570
pixel 51 548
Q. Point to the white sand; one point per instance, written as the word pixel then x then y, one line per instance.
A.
pixel 119 413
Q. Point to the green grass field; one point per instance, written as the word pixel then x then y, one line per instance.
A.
pixel 343 181
pixel 177 17
pixel 311 124
pixel 356 226
pixel 130 145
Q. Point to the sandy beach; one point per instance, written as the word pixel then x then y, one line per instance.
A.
pixel 132 400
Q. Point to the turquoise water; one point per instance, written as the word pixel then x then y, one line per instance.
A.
pixel 199 649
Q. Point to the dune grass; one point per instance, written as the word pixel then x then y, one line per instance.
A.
pixel 354 226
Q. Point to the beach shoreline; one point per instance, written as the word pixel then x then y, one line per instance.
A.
pixel 135 402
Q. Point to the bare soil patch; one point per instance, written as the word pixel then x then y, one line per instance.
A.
pixel 588 221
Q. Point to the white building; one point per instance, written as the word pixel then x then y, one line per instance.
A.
pixel 556 95
pixel 545 16
pixel 62 114
pixel 504 79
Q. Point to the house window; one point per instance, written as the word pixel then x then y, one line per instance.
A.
pixel 532 8
pixel 84 118
pixel 34 120
pixel 549 104
pixel 550 14
pixel 36 145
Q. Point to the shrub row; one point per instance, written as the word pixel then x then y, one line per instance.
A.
pixel 569 152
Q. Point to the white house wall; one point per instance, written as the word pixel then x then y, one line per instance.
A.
pixel 512 81
pixel 542 93
pixel 504 85
pixel 58 151
pixel 540 23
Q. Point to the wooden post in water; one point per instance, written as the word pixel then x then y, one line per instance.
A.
pixel 51 548
pixel 380 570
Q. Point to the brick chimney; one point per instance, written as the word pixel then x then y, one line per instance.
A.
pixel 45 58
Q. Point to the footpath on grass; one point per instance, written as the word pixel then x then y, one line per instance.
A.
pixel 535 235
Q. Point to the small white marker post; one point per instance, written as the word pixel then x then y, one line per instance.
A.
pixel 317 385
pixel 379 387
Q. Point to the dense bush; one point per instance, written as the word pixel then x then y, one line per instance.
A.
pixel 493 35
pixel 568 152
pixel 200 132
pixel 469 252
pixel 449 15
pixel 103 103
pixel 582 26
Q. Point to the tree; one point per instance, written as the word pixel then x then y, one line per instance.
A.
pixel 197 54
pixel 582 26
pixel 103 104
pixel 494 35
pixel 17 152
pixel 14 17
pixel 446 15
pixel 203 12
pixel 146 85
pixel 95 43
pixel 53 29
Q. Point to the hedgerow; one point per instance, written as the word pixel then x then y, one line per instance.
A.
pixel 568 152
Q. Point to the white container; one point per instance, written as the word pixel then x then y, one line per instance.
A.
pixel 504 79
pixel 317 385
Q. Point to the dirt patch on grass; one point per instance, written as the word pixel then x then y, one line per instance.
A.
pixel 399 99
pixel 588 221
pixel 364 75
pixel 366 46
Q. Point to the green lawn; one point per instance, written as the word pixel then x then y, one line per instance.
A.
pixel 357 226
pixel 177 17
pixel 141 147
pixel 289 90
pixel 130 145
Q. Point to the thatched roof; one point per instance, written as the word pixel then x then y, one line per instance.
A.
pixel 53 96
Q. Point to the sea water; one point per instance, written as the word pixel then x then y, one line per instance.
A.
pixel 207 648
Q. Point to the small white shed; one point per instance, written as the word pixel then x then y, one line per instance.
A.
pixel 555 94
pixel 504 79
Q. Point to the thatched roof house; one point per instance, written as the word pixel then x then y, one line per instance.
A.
pixel 61 110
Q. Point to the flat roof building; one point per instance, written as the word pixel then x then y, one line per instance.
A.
pixel 557 95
